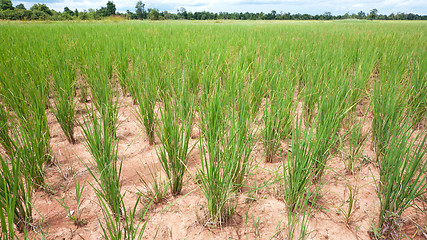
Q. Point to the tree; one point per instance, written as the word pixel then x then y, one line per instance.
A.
pixel 182 13
pixel 6 5
pixel 68 11
pixel 346 15
pixel 361 15
pixel 41 8
pixel 20 6
pixel 140 12
pixel 154 14
pixel 167 15
pixel 373 14
pixel 111 8
pixel 84 15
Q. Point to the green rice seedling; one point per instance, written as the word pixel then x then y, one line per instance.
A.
pixel 5 140
pixel 238 145
pixel 388 112
pixel 311 99
pixel 125 227
pixel 299 191
pixel 121 67
pixel 298 220
pixel 356 141
pixel 331 113
pixel 277 118
pixel 174 133
pixel 347 213
pixel 238 138
pixel 144 91
pixel 310 85
pixel 15 197
pixel 271 136
pixel 288 109
pixel 212 174
pixel 32 154
pixel 102 91
pixel 418 92
pixel 83 90
pixel 30 132
pixel 216 172
pixel 75 215
pixel 102 145
pixel 257 92
pixel 155 190
pixel 402 173
pixel 7 216
pixel 64 87
pixel 256 223
pixel 298 169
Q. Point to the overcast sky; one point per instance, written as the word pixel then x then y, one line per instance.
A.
pixel 293 6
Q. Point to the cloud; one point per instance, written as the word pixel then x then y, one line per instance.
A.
pixel 293 6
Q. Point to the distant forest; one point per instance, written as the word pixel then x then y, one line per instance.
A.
pixel 42 12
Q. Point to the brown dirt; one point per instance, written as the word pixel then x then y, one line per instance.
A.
pixel 181 217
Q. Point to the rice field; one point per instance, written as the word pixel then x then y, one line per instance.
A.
pixel 213 130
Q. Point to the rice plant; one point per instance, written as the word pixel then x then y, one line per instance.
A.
pixel 239 139
pixel 64 88
pixel 298 220
pixel 155 189
pixel 230 70
pixel 402 173
pixel 331 113
pixel 75 215
pixel 356 141
pixel 348 212
pixel 418 92
pixel 298 169
pixel 277 118
pixel 224 153
pixel 389 113
pixel 5 140
pixel 298 173
pixel 144 91
pixel 15 197
pixel 103 93
pixel 174 133
pixel 215 179
pixel 102 145
pixel 29 131
pixel 124 227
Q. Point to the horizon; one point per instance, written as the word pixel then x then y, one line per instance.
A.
pixel 335 7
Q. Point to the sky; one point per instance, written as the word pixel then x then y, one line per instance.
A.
pixel 293 6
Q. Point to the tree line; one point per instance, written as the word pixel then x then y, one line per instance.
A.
pixel 42 12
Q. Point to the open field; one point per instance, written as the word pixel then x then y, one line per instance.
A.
pixel 213 130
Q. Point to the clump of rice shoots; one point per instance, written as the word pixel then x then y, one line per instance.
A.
pixel 174 133
pixel 64 88
pixel 402 173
